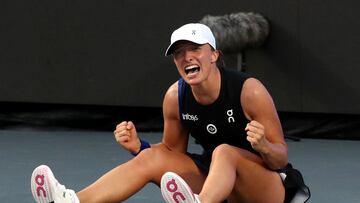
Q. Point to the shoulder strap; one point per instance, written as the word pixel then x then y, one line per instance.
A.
pixel 181 92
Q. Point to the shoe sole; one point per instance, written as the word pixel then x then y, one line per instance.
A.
pixel 41 184
pixel 175 190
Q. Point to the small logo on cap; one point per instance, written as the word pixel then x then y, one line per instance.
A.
pixel 193 32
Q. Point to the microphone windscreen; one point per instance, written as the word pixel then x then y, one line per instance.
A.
pixel 237 31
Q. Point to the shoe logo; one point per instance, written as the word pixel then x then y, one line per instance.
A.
pixel 172 187
pixel 40 181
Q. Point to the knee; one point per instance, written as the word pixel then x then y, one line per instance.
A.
pixel 223 151
pixel 150 159
pixel 231 153
pixel 146 157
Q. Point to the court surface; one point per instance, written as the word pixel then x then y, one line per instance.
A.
pixel 77 158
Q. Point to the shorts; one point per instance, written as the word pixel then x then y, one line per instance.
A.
pixel 202 161
pixel 295 189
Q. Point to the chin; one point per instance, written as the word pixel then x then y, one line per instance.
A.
pixel 192 82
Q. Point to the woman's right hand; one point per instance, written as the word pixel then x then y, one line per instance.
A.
pixel 126 135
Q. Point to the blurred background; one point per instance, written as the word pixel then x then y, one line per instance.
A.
pixel 91 64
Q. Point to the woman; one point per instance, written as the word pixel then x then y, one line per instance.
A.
pixel 232 116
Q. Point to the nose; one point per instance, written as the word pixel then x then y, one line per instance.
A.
pixel 188 56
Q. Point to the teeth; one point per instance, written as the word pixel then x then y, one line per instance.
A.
pixel 191 67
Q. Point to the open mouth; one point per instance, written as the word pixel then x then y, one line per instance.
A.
pixel 192 69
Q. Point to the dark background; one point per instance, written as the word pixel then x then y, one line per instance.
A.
pixel 90 64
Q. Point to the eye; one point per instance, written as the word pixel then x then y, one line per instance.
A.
pixel 176 52
pixel 195 48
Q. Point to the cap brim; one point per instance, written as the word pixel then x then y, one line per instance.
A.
pixel 170 48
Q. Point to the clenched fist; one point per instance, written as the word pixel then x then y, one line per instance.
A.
pixel 126 135
pixel 256 136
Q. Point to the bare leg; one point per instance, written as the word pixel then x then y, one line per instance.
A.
pixel 240 176
pixel 125 180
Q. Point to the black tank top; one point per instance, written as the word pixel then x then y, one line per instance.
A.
pixel 221 122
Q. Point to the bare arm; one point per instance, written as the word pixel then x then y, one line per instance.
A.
pixel 264 130
pixel 175 137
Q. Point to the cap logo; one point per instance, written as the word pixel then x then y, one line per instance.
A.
pixel 193 32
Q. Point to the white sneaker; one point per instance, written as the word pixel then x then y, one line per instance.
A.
pixel 175 190
pixel 45 188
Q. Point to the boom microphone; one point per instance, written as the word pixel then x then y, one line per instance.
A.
pixel 237 31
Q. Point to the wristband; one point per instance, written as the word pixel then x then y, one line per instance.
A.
pixel 144 145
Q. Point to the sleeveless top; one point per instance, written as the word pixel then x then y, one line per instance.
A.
pixel 221 122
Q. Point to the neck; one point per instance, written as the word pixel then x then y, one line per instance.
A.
pixel 208 91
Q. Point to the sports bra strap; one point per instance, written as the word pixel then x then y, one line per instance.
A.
pixel 181 92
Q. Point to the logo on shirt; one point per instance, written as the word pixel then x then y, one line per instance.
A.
pixel 189 117
pixel 230 114
pixel 211 128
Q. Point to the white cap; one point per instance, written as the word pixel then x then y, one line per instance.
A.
pixel 193 32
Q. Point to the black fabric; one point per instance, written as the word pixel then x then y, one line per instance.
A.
pixel 222 121
pixel 293 182
pixel 202 161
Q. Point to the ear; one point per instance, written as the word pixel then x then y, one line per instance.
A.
pixel 214 56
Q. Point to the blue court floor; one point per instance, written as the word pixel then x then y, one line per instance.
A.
pixel 77 158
